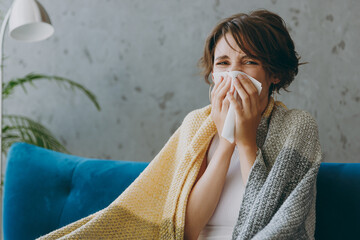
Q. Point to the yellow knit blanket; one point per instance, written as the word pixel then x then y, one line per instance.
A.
pixel 153 206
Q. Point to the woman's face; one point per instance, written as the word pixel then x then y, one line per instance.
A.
pixel 226 60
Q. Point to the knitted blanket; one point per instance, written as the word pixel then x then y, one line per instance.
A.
pixel 279 198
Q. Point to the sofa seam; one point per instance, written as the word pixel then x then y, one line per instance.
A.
pixel 70 187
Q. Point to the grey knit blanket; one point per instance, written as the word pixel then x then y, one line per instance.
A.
pixel 280 195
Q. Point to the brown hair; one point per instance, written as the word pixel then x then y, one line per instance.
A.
pixel 261 35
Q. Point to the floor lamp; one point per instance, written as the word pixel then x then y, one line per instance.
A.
pixel 29 22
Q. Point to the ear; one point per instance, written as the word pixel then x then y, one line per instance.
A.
pixel 276 80
pixel 212 75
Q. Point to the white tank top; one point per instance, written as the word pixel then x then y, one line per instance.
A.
pixel 223 220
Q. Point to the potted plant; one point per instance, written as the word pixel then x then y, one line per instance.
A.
pixel 17 128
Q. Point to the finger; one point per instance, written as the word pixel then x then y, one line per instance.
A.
pixel 218 85
pixel 226 104
pixel 221 85
pixel 218 94
pixel 251 90
pixel 232 100
pixel 245 98
pixel 236 96
pixel 225 88
pixel 214 93
pixel 222 91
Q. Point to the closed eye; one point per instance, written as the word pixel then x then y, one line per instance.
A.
pixel 247 62
pixel 251 62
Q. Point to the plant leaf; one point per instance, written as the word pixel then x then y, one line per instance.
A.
pixel 22 129
pixel 8 87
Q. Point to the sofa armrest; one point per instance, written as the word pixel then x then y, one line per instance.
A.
pixel 45 189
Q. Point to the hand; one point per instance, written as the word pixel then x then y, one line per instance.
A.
pixel 220 106
pixel 247 111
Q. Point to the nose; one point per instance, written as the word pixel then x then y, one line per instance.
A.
pixel 235 68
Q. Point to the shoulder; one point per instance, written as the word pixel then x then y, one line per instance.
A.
pixel 292 118
pixel 301 119
pixel 296 129
pixel 293 124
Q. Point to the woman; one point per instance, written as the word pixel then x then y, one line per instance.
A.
pixel 261 186
pixel 259 45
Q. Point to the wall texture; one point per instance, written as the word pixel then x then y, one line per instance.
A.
pixel 139 58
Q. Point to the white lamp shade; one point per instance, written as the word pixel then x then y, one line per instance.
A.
pixel 29 21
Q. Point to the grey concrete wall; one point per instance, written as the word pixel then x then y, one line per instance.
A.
pixel 139 58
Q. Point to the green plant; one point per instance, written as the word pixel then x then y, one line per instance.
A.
pixel 22 129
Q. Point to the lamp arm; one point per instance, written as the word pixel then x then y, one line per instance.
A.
pixel 2 35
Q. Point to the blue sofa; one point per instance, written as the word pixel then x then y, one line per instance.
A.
pixel 45 190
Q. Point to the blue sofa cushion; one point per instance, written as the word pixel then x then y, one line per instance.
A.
pixel 338 201
pixel 45 190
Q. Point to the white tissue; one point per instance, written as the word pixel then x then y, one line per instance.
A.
pixel 228 131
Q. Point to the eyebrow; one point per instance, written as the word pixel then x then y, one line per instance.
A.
pixel 226 57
